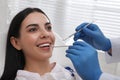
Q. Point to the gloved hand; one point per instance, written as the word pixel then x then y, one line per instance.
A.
pixel 85 60
pixel 93 35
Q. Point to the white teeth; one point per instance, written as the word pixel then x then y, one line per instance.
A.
pixel 44 45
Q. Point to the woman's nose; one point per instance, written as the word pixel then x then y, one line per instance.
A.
pixel 44 33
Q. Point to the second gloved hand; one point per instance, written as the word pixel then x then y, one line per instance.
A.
pixel 85 60
pixel 94 36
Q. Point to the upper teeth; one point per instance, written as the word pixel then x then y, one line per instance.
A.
pixel 43 45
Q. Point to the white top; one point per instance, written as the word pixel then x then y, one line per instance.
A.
pixel 106 76
pixel 115 51
pixel 112 59
pixel 58 73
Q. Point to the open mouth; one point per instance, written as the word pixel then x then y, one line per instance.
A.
pixel 44 45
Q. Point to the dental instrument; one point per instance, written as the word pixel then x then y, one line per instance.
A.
pixel 60 46
pixel 76 32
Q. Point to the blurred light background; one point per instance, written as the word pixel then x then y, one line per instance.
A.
pixel 65 16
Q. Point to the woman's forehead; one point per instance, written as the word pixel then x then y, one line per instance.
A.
pixel 35 17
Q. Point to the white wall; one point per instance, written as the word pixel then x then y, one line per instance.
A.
pixel 3 26
pixel 3 15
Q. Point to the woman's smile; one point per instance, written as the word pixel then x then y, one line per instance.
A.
pixel 45 46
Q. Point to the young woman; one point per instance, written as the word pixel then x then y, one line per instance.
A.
pixel 29 46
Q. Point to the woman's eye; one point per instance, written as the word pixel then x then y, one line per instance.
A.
pixel 49 28
pixel 33 29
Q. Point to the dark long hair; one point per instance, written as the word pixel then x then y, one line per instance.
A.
pixel 14 59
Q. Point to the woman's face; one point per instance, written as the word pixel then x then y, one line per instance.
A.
pixel 36 37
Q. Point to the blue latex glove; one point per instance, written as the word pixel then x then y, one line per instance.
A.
pixel 93 35
pixel 85 60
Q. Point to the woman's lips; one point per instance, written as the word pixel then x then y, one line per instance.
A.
pixel 44 45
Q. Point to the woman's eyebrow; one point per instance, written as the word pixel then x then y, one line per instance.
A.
pixel 32 25
pixel 47 23
pixel 37 24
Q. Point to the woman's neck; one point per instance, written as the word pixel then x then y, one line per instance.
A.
pixel 40 67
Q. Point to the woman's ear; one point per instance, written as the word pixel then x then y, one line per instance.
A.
pixel 15 42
